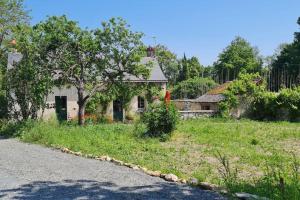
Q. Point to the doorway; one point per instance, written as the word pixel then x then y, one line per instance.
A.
pixel 61 108
pixel 118 110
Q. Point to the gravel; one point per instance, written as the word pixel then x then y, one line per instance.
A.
pixel 30 171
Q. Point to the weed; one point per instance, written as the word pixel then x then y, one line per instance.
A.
pixel 228 174
pixel 254 142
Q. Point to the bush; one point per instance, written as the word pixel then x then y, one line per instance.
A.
pixel 289 100
pixel 261 104
pixel 160 119
pixel 241 91
pixel 264 106
pixel 277 106
pixel 14 129
pixel 193 88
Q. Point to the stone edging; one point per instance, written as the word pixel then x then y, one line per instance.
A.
pixel 167 177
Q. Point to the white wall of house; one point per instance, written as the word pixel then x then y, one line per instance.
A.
pixel 72 106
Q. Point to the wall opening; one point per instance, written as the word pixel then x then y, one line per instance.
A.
pixel 61 107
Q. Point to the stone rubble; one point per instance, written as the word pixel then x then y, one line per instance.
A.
pixel 167 177
pixel 171 177
pixel 247 196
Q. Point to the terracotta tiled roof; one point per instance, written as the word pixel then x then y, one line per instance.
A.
pixel 215 95
pixel 219 89
pixel 211 98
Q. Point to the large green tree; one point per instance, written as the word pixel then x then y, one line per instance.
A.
pixel 196 69
pixel 12 13
pixel 285 70
pixel 238 57
pixel 184 73
pixel 30 80
pixel 192 88
pixel 168 62
pixel 190 68
pixel 92 61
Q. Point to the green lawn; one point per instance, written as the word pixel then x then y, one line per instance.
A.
pixel 262 152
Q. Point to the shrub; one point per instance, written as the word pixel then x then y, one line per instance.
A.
pixel 289 99
pixel 264 106
pixel 254 142
pixel 228 174
pixel 193 88
pixel 14 129
pixel 248 93
pixel 277 106
pixel 160 120
pixel 241 91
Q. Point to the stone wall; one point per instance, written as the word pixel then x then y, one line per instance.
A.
pixel 192 105
pixel 189 108
pixel 196 114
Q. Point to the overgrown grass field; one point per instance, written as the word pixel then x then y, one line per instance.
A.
pixel 263 153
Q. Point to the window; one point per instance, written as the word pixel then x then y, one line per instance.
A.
pixel 141 102
pixel 206 107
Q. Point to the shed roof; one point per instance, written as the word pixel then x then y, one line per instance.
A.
pixel 220 89
pixel 215 95
pixel 210 98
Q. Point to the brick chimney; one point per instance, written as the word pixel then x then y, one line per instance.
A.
pixel 150 52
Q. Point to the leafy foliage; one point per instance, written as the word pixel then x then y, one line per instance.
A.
pixel 285 68
pixel 168 62
pixel 189 68
pixel 277 106
pixel 264 106
pixel 153 92
pixel 29 81
pixel 192 88
pixel 240 91
pixel 258 102
pixel 12 13
pixel 238 57
pixel 160 119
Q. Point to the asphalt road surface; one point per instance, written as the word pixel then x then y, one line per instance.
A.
pixel 33 172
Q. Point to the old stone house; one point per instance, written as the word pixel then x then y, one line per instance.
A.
pixel 211 99
pixel 62 102
pixel 205 105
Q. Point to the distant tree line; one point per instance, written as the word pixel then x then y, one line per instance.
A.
pixel 284 71
pixel 281 70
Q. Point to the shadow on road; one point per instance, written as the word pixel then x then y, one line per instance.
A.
pixel 85 189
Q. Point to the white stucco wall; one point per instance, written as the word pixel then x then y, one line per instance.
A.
pixel 72 106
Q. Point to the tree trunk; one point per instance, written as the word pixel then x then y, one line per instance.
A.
pixel 81 114
pixel 81 104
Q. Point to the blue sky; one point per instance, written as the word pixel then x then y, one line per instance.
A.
pixel 201 28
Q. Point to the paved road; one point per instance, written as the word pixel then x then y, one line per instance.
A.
pixel 33 172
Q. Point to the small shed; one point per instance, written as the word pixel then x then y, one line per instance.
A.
pixel 205 105
pixel 210 101
pixel 212 98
